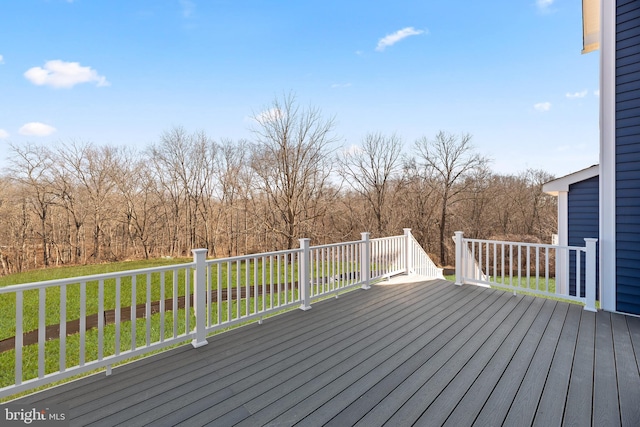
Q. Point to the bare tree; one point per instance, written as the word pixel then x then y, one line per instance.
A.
pixel 184 167
pixel 232 167
pixel 203 189
pixel 68 196
pixel 476 208
pixel 140 209
pixel 449 159
pixel 91 168
pixel 291 161
pixel 417 205
pixel 15 226
pixel 371 170
pixel 532 204
pixel 31 167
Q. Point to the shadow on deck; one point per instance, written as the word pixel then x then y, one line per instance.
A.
pixel 424 353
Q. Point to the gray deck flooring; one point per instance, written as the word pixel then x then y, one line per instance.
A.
pixel 427 353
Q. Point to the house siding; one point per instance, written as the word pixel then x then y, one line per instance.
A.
pixel 627 146
pixel 583 210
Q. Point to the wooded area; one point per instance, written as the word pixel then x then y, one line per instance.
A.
pixel 78 202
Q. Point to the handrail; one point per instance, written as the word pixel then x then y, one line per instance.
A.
pixel 89 278
pixel 566 272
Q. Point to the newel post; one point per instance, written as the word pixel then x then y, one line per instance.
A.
pixel 200 297
pixel 408 253
pixel 304 278
pixel 459 235
pixel 590 279
pixel 365 261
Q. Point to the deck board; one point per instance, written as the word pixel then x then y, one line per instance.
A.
pixel 466 411
pixel 525 402
pixel 526 371
pixel 422 388
pixel 240 362
pixel 552 403
pixel 401 364
pixel 300 365
pixel 426 353
pixel 627 371
pixel 606 411
pixel 240 365
pixel 578 411
pixel 397 385
pixel 455 390
pixel 335 379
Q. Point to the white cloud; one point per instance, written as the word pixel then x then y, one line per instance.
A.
pixel 391 39
pixel 544 5
pixel 1 59
pixel 61 74
pixel 542 106
pixel 270 115
pixel 596 93
pixel 36 129
pixel 4 134
pixel 187 8
pixel 340 85
pixel 577 94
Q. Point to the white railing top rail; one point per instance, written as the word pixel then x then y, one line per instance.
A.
pixel 335 245
pixel 525 244
pixel 159 269
pixel 253 256
pixel 399 237
pixel 92 278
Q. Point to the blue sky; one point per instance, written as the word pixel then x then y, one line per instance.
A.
pixel 508 72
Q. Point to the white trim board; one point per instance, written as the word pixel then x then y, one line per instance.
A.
pixel 563 183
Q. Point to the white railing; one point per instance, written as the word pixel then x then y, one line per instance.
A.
pixel 419 261
pixel 567 272
pixel 388 256
pixel 85 323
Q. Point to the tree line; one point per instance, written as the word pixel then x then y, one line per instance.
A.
pixel 78 202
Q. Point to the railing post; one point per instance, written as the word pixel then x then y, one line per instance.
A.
pixel 408 253
pixel 365 261
pixel 304 278
pixel 200 297
pixel 590 279
pixel 459 258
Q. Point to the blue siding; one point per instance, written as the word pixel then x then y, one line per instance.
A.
pixel 628 156
pixel 583 223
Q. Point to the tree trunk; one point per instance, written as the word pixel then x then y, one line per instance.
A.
pixel 443 224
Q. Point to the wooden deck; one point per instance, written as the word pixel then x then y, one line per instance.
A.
pixel 427 353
